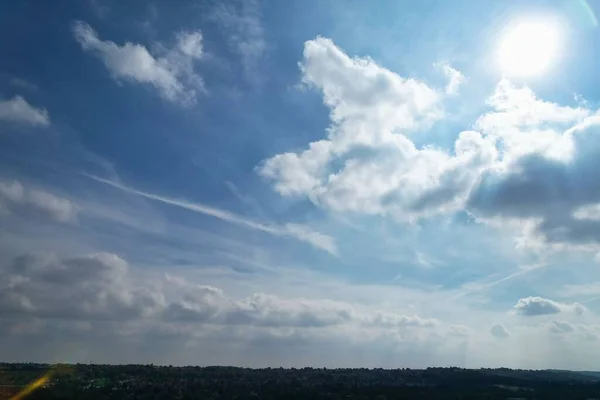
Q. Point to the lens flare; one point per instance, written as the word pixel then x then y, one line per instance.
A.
pixel 589 12
pixel 32 386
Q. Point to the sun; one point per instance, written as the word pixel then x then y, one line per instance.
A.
pixel 528 48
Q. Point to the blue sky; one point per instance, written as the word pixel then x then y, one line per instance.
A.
pixel 296 183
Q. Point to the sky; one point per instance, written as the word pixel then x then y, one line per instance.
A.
pixel 301 183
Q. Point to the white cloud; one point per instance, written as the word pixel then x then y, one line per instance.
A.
pixel 366 163
pixel 455 79
pixel 210 305
pixel 499 331
pixel 19 110
pixel 358 90
pixel 190 44
pixel 590 212
pixel 105 305
pixel 528 164
pixel 171 73
pixel 389 320
pixel 519 107
pixel 101 286
pixel 14 197
pixel 12 191
pixel 534 306
pixel 306 234
pixel 206 304
pixel 524 124
pixel 60 209
pixel 544 184
pixel 241 21
pixel 300 232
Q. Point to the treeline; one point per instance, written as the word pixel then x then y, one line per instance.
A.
pixel 212 383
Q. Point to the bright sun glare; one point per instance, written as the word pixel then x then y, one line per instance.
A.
pixel 528 48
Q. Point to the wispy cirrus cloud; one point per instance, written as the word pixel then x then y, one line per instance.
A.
pixel 580 290
pixel 297 231
pixel 241 21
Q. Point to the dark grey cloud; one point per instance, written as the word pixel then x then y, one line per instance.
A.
pixel 499 331
pixel 95 286
pixel 547 190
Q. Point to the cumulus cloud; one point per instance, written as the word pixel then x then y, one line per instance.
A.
pixel 545 183
pixel 552 195
pixel 101 286
pixel 499 331
pixel 19 110
pixel 389 320
pixel 533 306
pixel 171 72
pixel 81 287
pixel 366 163
pixel 527 162
pixel 101 302
pixel 16 198
pixel 260 310
pixel 207 304
pixel 526 123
